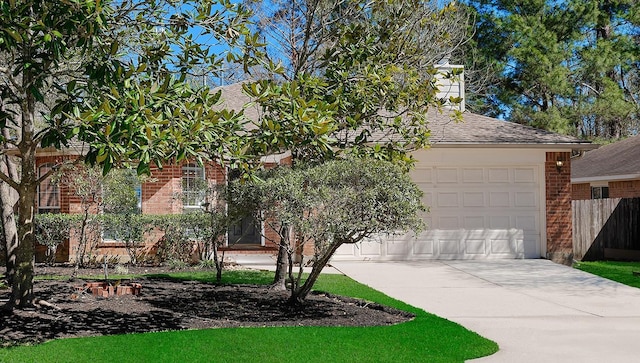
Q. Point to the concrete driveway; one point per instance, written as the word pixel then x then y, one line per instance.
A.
pixel 536 310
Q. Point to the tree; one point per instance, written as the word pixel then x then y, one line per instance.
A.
pixel 345 75
pixel 566 66
pixel 86 184
pixel 109 74
pixel 334 203
pixel 275 198
pixel 349 77
pixel 609 54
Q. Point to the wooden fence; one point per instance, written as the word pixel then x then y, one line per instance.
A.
pixel 606 229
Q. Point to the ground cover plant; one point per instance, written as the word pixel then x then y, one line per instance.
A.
pixel 425 338
pixel 613 270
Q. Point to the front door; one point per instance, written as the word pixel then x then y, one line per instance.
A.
pixel 245 232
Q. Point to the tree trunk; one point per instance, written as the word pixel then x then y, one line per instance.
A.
pixel 9 229
pixel 298 295
pixel 8 200
pixel 216 260
pixel 22 284
pixel 280 278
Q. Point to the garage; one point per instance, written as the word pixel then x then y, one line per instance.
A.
pixel 477 208
pixel 494 189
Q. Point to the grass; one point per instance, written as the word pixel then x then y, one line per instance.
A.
pixel 427 338
pixel 617 271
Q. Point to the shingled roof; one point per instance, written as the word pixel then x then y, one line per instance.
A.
pixel 474 130
pixel 617 161
pixel 477 129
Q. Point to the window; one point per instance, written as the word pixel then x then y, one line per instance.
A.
pixel 599 192
pixel 122 192
pixel 48 192
pixel 194 186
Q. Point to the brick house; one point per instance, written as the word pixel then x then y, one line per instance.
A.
pixel 494 189
pixel 611 171
pixel 170 190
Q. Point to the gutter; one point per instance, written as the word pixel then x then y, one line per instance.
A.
pixel 548 146
pixel 605 178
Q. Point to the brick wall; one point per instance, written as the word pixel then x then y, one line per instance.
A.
pixel 624 189
pixel 558 207
pixel 159 194
pixel 617 189
pixel 62 252
pixel 581 191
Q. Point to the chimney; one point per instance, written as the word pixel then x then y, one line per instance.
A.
pixel 450 82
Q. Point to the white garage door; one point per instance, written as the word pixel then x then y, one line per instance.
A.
pixel 476 211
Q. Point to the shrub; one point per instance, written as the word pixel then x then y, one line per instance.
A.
pixel 52 230
pixel 129 229
pixel 182 234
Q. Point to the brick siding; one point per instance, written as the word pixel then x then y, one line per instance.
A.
pixel 581 191
pixel 558 208
pixel 617 189
pixel 624 189
pixel 160 195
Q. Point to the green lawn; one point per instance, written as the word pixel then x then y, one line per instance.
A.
pixel 427 338
pixel 616 271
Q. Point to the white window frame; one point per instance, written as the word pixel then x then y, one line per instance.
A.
pixel 190 200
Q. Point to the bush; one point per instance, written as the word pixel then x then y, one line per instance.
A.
pixel 52 230
pixel 129 229
pixel 182 233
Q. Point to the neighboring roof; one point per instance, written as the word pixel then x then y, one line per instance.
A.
pixel 617 161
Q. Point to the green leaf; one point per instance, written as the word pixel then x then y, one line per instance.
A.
pixel 13 34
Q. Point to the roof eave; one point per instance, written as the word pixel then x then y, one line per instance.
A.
pixel 52 151
pixel 553 146
pixel 603 178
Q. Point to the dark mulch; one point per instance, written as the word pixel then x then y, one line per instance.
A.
pixel 171 305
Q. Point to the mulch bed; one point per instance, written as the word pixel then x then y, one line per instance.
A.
pixel 170 305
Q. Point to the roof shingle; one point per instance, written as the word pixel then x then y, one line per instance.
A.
pixel 618 159
pixel 474 130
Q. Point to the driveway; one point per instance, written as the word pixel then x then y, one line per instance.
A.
pixel 536 310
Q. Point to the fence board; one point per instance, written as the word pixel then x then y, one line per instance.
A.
pixel 612 223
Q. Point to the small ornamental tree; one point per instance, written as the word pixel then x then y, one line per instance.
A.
pixel 52 230
pixel 334 203
pixel 86 184
pixel 351 78
pixel 276 198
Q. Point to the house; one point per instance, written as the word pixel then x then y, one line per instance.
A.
pixel 611 171
pixel 494 189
